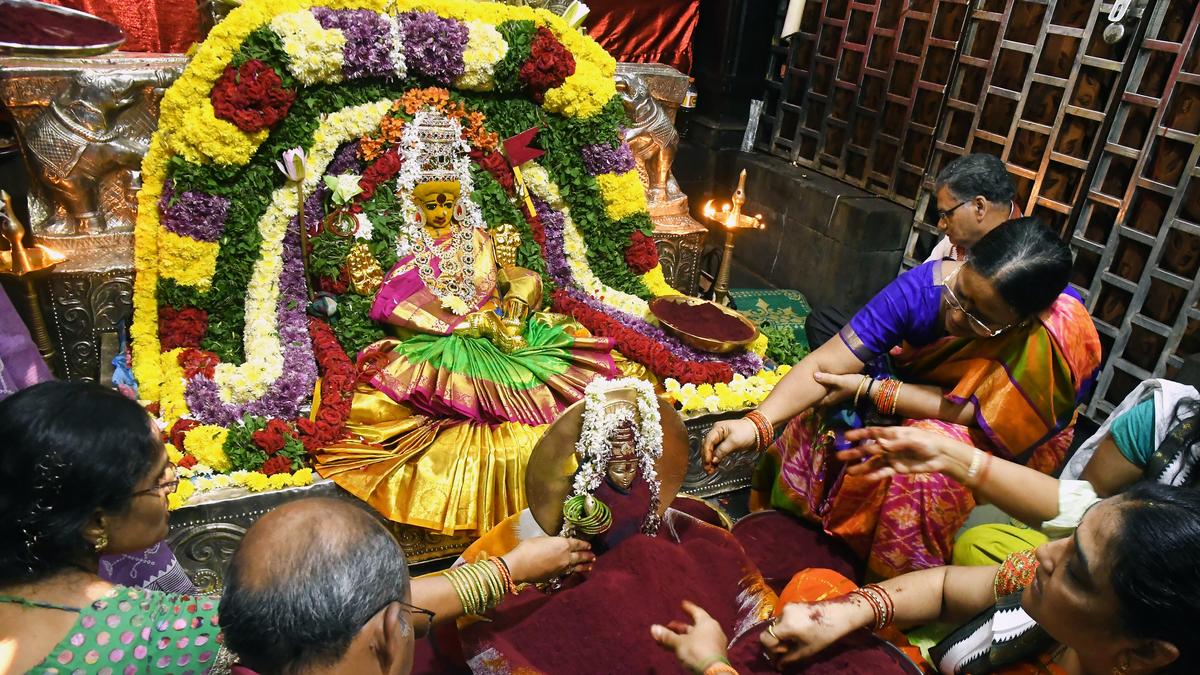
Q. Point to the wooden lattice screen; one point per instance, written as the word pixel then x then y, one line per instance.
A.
pixel 1137 234
pixel 857 94
pixel 1101 140
pixel 1033 82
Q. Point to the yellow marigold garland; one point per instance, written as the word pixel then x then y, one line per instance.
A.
pixel 187 261
pixel 583 94
pixel 740 394
pixel 623 194
pixel 199 480
pixel 172 404
pixel 656 282
pixel 207 444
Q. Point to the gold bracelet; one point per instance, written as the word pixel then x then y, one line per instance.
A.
pixel 862 384
pixel 973 468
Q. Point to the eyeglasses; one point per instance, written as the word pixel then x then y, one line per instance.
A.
pixel 942 215
pixel 164 487
pixel 413 609
pixel 978 325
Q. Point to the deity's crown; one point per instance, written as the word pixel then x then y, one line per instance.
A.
pixel 437 136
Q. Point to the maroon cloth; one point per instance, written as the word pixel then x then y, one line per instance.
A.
pixel 781 545
pixel 637 581
pixel 636 31
pixel 149 25
pixel 859 652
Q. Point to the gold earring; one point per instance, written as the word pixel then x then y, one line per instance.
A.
pixel 101 541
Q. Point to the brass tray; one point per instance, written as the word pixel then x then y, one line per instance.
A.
pixel 700 342
pixel 8 7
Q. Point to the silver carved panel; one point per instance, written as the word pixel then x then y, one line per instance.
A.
pixel 82 126
pixel 680 241
pixel 735 471
pixel 85 312
pixel 205 535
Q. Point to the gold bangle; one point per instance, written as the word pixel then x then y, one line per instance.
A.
pixel 861 386
pixel 973 468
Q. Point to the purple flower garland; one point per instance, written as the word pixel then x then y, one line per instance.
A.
pixel 194 214
pixel 604 158
pixel 294 386
pixel 345 160
pixel 433 46
pixel 367 52
pixel 746 363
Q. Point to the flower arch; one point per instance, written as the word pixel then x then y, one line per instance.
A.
pixel 220 335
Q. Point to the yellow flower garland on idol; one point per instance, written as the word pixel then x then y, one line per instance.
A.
pixel 740 394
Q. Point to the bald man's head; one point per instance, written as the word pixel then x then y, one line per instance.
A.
pixel 305 579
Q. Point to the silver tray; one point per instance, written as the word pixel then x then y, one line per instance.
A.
pixel 20 49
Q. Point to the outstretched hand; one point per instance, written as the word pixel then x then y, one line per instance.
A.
pixel 543 558
pixel 698 645
pixel 838 388
pixel 904 450
pixel 804 629
pixel 725 438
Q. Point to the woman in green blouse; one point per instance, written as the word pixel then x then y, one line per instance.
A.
pixel 83 472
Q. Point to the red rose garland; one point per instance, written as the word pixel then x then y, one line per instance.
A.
pixel 642 254
pixel 252 97
pixel 178 430
pixel 198 362
pixel 336 286
pixel 271 438
pixel 641 348
pixel 381 171
pixel 181 327
pixel 548 65
pixel 337 389
pixel 276 464
pixel 495 164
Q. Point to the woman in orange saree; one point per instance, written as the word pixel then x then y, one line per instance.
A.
pixel 1089 604
pixel 987 352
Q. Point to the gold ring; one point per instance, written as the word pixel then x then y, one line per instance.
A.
pixel 771 631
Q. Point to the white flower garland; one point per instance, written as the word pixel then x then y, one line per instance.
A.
pixel 575 247
pixel 594 448
pixel 264 353
pixel 486 46
pixel 395 46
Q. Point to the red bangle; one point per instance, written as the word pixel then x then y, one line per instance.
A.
pixel 764 432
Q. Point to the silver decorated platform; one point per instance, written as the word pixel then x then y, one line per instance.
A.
pixel 205 533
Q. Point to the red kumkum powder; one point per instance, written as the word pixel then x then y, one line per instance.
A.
pixel 704 320
pixel 37 26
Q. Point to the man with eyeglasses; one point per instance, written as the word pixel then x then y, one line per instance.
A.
pixel 972 196
pixel 320 586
